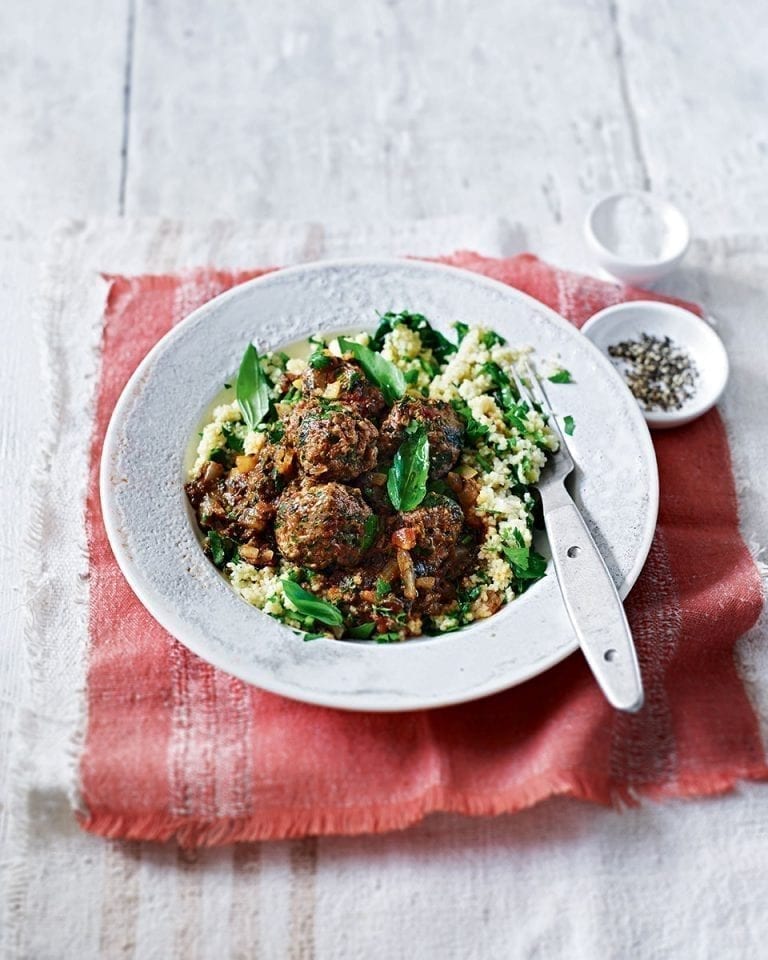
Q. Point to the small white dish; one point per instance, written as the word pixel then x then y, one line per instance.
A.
pixel 636 237
pixel 627 321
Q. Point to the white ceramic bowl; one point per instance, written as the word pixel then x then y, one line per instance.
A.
pixel 627 321
pixel 154 538
pixel 622 227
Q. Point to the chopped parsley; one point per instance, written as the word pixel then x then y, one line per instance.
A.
pixel 527 565
pixel 462 329
pixel 474 430
pixel 570 425
pixel 562 376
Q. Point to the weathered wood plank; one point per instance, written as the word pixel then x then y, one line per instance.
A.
pixel 61 107
pixel 293 110
pixel 697 80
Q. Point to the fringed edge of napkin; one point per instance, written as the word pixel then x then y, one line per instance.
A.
pixel 280 824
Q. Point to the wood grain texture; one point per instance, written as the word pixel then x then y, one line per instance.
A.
pixel 61 104
pixel 392 109
pixel 697 80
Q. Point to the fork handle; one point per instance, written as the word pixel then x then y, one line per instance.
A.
pixel 594 606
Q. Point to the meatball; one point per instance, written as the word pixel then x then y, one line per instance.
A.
pixel 445 431
pixel 241 503
pixel 332 441
pixel 274 466
pixel 317 526
pixel 437 525
pixel 343 380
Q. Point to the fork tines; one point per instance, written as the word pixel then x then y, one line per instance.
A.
pixel 532 391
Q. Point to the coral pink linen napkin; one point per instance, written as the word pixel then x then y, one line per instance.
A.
pixel 176 747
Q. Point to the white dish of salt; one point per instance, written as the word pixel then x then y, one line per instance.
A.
pixel 636 237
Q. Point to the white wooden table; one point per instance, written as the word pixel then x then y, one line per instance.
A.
pixel 317 109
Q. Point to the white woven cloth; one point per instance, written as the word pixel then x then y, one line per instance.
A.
pixel 562 880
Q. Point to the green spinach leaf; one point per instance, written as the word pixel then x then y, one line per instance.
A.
pixel 431 339
pixel 222 549
pixel 475 431
pixel 462 329
pixel 231 439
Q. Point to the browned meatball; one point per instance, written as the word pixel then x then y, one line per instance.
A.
pixel 241 502
pixel 444 427
pixel 274 467
pixel 354 389
pixel 437 526
pixel 332 441
pixel 317 526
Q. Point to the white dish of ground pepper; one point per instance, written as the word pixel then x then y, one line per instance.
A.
pixel 671 360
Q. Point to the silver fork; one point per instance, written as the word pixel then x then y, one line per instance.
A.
pixel 591 599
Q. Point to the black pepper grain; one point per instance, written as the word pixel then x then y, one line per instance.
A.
pixel 659 373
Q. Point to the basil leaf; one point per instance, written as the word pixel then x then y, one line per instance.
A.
pixel 384 374
pixel 363 631
pixel 308 604
pixel 570 425
pixel 370 530
pixel 407 478
pixel 562 376
pixel 251 389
